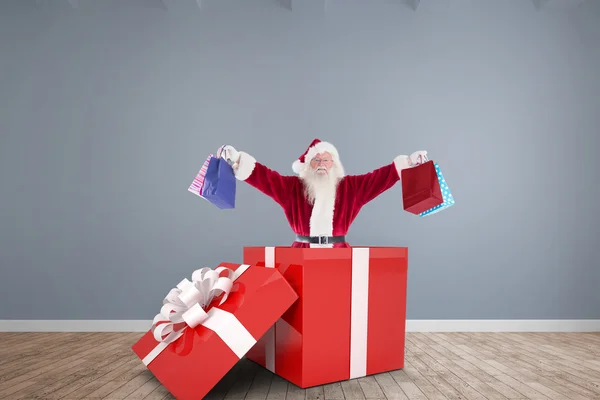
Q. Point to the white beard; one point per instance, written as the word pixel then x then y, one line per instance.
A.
pixel 319 186
pixel 320 191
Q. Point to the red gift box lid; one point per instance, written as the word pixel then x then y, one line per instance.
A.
pixel 199 358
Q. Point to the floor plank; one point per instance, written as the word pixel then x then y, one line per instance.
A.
pixel 438 366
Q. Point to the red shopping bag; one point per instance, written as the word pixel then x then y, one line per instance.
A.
pixel 420 188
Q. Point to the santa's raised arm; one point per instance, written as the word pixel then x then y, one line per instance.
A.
pixel 321 202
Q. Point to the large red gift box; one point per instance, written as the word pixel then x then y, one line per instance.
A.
pixel 349 320
pixel 203 343
pixel 420 188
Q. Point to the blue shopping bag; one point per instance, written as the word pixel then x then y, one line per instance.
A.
pixel 446 195
pixel 219 183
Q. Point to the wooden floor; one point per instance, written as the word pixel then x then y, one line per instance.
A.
pixel 438 366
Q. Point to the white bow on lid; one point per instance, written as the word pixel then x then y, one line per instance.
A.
pixel 187 302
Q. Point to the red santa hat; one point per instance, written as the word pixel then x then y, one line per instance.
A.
pixel 316 147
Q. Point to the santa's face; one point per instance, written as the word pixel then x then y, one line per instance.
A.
pixel 321 164
pixel 321 177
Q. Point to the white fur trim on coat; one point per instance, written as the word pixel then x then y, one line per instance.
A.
pixel 401 162
pixel 245 167
pixel 321 218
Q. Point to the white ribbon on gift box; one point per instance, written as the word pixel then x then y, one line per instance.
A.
pixel 269 336
pixel 359 313
pixel 186 303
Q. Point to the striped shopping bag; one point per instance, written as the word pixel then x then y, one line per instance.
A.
pixel 198 182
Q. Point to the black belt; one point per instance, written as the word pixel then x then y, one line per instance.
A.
pixel 321 239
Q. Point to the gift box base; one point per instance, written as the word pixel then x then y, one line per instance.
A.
pixel 312 343
pixel 312 381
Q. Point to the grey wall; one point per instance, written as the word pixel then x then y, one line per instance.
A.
pixel 107 113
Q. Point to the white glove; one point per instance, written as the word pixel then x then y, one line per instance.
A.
pixel 418 157
pixel 229 153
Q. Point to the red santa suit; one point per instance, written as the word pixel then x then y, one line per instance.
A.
pixel 332 212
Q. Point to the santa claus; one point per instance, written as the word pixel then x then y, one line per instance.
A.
pixel 321 202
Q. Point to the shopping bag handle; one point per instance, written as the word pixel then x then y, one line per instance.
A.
pixel 220 155
pixel 422 158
